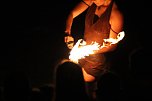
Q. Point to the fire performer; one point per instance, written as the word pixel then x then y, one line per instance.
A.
pixel 103 21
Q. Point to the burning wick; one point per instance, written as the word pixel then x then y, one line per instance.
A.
pixel 80 49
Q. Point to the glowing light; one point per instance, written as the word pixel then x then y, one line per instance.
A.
pixel 80 49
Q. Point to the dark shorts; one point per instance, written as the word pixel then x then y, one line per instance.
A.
pixel 95 65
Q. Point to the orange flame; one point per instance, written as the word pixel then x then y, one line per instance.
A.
pixel 80 49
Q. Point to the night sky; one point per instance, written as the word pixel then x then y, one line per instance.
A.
pixel 32 36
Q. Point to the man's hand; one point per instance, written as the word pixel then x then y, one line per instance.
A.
pixel 69 40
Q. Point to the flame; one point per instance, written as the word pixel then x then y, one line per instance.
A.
pixel 120 36
pixel 80 49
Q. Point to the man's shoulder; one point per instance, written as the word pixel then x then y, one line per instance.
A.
pixel 117 14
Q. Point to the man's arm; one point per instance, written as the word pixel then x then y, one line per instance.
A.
pixel 77 10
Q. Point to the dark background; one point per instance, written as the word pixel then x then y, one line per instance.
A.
pixel 32 36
